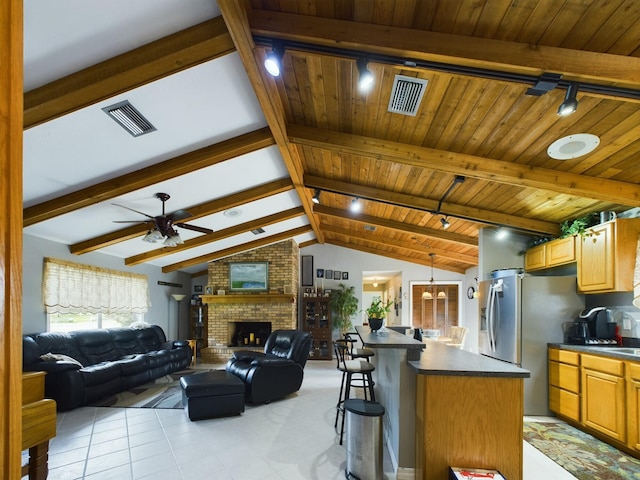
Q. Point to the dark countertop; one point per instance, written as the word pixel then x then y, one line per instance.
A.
pixel 387 339
pixel 441 359
pixel 621 353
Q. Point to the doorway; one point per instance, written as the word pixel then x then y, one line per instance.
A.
pixel 435 306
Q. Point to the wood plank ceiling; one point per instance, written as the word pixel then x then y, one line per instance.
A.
pixel 475 121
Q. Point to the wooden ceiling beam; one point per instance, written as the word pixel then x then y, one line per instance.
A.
pixel 418 248
pixel 425 204
pixel 469 165
pixel 145 177
pixel 215 236
pixel 397 256
pixel 468 51
pixel 210 257
pixel 197 211
pixel 235 16
pixel 399 226
pixel 161 58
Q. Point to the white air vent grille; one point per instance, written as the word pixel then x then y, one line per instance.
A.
pixel 129 118
pixel 369 228
pixel 406 95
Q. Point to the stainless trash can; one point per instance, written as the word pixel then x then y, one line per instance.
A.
pixel 364 439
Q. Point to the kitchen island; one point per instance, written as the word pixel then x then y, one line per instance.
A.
pixel 469 412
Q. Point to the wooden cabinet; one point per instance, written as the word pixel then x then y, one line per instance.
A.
pixel 603 405
pixel 198 326
pixel 316 319
pixel 564 383
pixel 606 256
pixel 551 254
pixel 633 406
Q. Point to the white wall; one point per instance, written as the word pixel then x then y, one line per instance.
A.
pixel 163 308
pixel 355 262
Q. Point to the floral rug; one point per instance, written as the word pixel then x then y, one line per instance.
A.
pixel 581 454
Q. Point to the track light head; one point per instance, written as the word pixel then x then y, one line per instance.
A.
pixel 273 62
pixel 366 77
pixel 356 206
pixel 316 197
pixel 570 103
pixel 445 223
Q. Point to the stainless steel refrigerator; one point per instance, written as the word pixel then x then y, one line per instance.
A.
pixel 519 315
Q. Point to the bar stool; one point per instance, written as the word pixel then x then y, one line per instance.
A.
pixel 364 379
pixel 354 353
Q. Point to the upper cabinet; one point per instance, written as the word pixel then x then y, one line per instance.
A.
pixel 550 254
pixel 606 256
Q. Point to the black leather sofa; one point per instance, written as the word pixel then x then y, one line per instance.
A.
pixel 277 371
pixel 86 365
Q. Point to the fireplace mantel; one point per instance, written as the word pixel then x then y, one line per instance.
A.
pixel 249 298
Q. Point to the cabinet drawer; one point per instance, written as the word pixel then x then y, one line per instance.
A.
pixel 604 365
pixel 564 403
pixel 564 356
pixel 634 370
pixel 564 376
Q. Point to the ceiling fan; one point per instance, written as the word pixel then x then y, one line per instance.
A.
pixel 163 225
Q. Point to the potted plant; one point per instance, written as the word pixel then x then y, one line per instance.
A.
pixel 377 312
pixel 345 305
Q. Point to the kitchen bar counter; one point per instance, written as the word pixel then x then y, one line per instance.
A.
pixel 469 412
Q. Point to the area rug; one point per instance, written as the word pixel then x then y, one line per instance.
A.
pixel 581 454
pixel 164 392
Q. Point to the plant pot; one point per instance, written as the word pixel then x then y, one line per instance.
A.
pixel 375 323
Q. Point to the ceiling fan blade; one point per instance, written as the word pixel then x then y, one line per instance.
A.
pixel 179 215
pixel 130 221
pixel 141 213
pixel 193 227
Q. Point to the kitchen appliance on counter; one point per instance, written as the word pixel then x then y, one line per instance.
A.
pixel 519 315
pixel 594 326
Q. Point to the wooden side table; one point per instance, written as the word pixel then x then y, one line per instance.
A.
pixel 192 345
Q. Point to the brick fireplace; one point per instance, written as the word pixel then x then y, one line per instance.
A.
pixel 276 307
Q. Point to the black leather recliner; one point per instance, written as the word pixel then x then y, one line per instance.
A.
pixel 276 372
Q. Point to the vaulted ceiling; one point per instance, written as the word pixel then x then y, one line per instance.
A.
pixel 231 138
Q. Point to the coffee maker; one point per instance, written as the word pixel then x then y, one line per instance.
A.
pixel 592 327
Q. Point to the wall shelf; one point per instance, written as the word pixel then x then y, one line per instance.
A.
pixel 248 298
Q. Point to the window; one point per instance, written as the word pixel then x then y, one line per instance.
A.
pixel 80 296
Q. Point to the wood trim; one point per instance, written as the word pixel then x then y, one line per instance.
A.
pixel 235 16
pixel 158 59
pixel 498 55
pixel 425 204
pixel 278 237
pixel 468 165
pixel 187 163
pixel 11 106
pixel 248 298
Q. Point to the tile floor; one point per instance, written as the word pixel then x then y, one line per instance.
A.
pixel 285 440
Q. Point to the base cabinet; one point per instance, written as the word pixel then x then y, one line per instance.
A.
pixel 633 406
pixel 564 383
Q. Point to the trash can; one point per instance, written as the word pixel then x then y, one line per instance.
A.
pixel 364 439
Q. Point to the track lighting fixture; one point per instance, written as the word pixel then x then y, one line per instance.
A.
pixel 273 62
pixel 365 80
pixel 356 206
pixel 316 197
pixel 445 223
pixel 570 103
pixel 375 283
pixel 501 233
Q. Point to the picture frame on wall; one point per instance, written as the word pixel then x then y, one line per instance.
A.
pixel 248 276
pixel 328 274
pixel 345 275
pixel 306 274
pixel 337 275
pixel 197 288
pixel 320 273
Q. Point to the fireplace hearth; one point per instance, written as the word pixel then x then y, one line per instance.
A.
pixel 248 334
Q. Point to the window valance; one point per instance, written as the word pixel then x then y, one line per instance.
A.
pixel 76 288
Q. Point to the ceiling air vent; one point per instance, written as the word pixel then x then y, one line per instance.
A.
pixel 257 231
pixel 129 118
pixel 406 95
pixel 369 228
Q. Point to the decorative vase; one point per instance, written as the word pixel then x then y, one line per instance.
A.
pixel 375 323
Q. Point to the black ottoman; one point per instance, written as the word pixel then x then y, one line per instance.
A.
pixel 212 394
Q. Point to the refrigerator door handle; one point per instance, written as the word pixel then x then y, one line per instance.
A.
pixel 490 328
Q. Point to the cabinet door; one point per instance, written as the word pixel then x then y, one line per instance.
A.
pixel 535 258
pixel 633 417
pixel 603 403
pixel 561 251
pixel 596 262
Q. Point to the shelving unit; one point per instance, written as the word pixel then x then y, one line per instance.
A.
pixel 316 319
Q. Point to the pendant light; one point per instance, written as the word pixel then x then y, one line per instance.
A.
pixel 428 294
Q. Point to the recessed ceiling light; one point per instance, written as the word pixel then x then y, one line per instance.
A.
pixel 232 212
pixel 573 146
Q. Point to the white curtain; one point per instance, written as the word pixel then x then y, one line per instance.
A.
pixel 75 288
